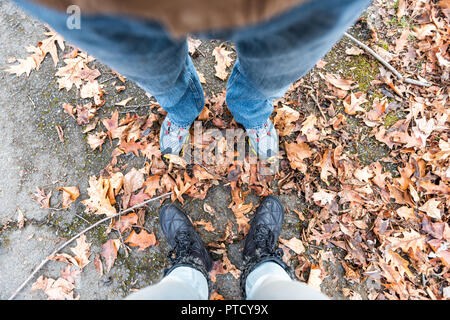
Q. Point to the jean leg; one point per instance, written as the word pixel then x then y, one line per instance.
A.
pixel 269 62
pixel 140 50
pixel 269 281
pixel 183 283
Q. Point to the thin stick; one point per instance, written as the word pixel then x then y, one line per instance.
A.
pixel 79 234
pixel 417 82
pixel 123 243
pixel 318 105
pixel 386 64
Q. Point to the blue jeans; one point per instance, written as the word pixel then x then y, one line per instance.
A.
pixel 271 55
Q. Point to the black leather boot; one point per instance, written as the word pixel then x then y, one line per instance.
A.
pixel 188 249
pixel 261 240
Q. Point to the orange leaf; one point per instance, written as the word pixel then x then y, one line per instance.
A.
pixel 125 222
pixel 344 84
pixel 142 240
pixel 109 253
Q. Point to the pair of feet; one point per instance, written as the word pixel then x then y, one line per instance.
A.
pixel 263 141
pixel 260 243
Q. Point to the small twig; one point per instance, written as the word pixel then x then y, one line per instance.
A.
pixel 81 217
pixel 56 209
pixel 78 235
pixel 123 242
pixel 201 52
pixel 417 82
pixel 386 64
pixel 318 105
pixel 34 105
pixel 131 106
pixel 51 184
pixel 376 56
pixel 106 80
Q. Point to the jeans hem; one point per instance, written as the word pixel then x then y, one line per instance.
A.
pixel 258 126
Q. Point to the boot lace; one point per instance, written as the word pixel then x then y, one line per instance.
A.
pixel 264 239
pixel 182 247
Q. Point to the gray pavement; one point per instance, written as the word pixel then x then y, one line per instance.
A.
pixel 31 156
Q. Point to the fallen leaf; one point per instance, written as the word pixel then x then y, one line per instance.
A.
pixel 344 84
pixel 152 184
pixel 142 239
pixel 205 114
pixel 109 253
pixel 284 120
pixel 354 101
pixel 124 102
pixel 42 198
pixel 354 51
pixel 223 60
pixel 401 42
pixel 406 212
pixel 431 209
pixel 98 201
pixel 98 264
pixel 296 153
pixel 81 251
pixel 423 31
pixel 207 225
pixel 151 150
pixel 229 267
pixel 308 128
pixel 125 222
pixel 44 47
pixel 193 44
pixel 20 218
pixel 70 194
pixel 69 274
pixel 326 166
pixel 324 197
pixel 294 244
pixel 363 174
pixel 131 146
pixel 202 174
pixel 60 289
pixel 95 140
pixel 216 296
pixel 112 125
pixel 314 279
pixel 207 208
pixel 321 64
pixel 60 132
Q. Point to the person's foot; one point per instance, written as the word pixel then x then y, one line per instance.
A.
pixel 261 240
pixel 263 141
pixel 265 228
pixel 188 248
pixel 172 138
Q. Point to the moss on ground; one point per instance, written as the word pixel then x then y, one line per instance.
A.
pixel 145 266
pixel 392 117
pixel 363 69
